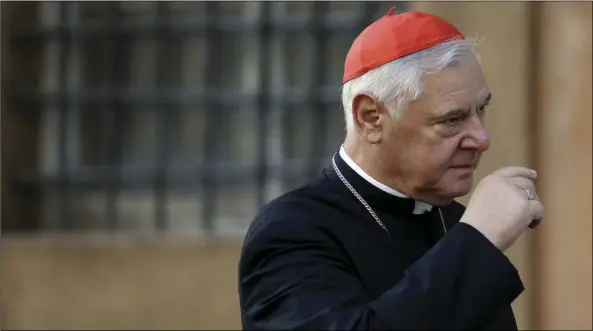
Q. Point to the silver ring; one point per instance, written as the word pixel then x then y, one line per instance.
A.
pixel 530 194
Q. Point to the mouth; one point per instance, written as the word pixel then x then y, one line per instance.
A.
pixel 467 165
pixel 464 166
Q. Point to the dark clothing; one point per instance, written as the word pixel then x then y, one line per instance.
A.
pixel 316 259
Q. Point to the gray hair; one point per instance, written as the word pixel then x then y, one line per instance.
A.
pixel 401 81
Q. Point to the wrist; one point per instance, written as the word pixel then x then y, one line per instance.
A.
pixel 487 234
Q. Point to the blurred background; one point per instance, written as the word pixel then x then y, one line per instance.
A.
pixel 139 139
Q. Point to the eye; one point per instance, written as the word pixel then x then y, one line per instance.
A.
pixel 482 109
pixel 452 121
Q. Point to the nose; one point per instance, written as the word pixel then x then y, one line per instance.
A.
pixel 476 137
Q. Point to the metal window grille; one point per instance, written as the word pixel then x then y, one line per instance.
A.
pixel 182 116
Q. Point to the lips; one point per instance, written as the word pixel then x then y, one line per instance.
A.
pixel 463 166
pixel 470 163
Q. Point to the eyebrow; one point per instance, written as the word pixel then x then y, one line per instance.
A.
pixel 453 113
pixel 487 101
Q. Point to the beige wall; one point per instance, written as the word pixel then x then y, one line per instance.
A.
pixel 537 58
pixel 563 111
pixel 106 283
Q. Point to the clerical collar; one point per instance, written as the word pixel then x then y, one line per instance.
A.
pixel 419 207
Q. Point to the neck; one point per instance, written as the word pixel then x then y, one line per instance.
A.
pixel 369 159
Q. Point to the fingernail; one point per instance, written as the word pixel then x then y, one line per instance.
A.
pixel 534 172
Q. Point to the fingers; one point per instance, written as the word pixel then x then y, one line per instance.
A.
pixel 510 172
pixel 523 183
pixel 536 210
pixel 535 223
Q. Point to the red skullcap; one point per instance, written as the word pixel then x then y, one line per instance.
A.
pixel 395 36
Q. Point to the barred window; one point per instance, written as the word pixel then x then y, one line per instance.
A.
pixel 178 116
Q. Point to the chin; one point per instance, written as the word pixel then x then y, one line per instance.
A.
pixel 460 187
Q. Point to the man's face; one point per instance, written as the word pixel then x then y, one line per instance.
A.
pixel 435 146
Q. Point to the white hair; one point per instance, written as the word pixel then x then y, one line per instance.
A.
pixel 401 81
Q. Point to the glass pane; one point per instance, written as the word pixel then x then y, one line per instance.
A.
pixel 95 10
pixel 337 49
pixel 188 136
pixel 298 59
pixel 143 61
pixel 297 134
pixel 297 9
pixel 188 9
pixel 235 209
pixel 344 10
pixel 138 9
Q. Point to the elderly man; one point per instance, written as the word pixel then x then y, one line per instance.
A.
pixel 377 241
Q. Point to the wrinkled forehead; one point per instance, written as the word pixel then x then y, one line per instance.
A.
pixel 463 85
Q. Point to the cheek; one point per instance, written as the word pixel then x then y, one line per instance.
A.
pixel 422 152
pixel 437 158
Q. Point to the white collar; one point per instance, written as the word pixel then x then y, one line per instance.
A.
pixel 420 207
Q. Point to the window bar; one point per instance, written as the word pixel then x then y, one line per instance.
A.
pixel 118 61
pixel 316 86
pixel 73 118
pixel 64 214
pixel 50 17
pixel 263 107
pixel 164 113
pixel 208 179
pixel 274 40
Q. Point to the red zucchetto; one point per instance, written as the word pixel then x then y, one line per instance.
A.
pixel 395 36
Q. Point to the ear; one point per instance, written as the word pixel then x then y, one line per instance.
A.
pixel 369 116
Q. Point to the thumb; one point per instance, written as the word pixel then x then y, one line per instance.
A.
pixel 513 171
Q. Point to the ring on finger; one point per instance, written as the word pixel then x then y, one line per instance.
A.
pixel 530 194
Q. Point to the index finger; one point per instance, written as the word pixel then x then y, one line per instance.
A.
pixel 514 171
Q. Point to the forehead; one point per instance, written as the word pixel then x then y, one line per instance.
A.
pixel 463 85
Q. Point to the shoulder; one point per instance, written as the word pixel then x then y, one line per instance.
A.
pixel 294 226
pixel 296 214
pixel 293 214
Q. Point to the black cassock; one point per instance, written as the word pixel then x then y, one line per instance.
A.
pixel 316 259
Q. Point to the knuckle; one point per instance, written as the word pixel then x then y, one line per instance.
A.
pixel 521 201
